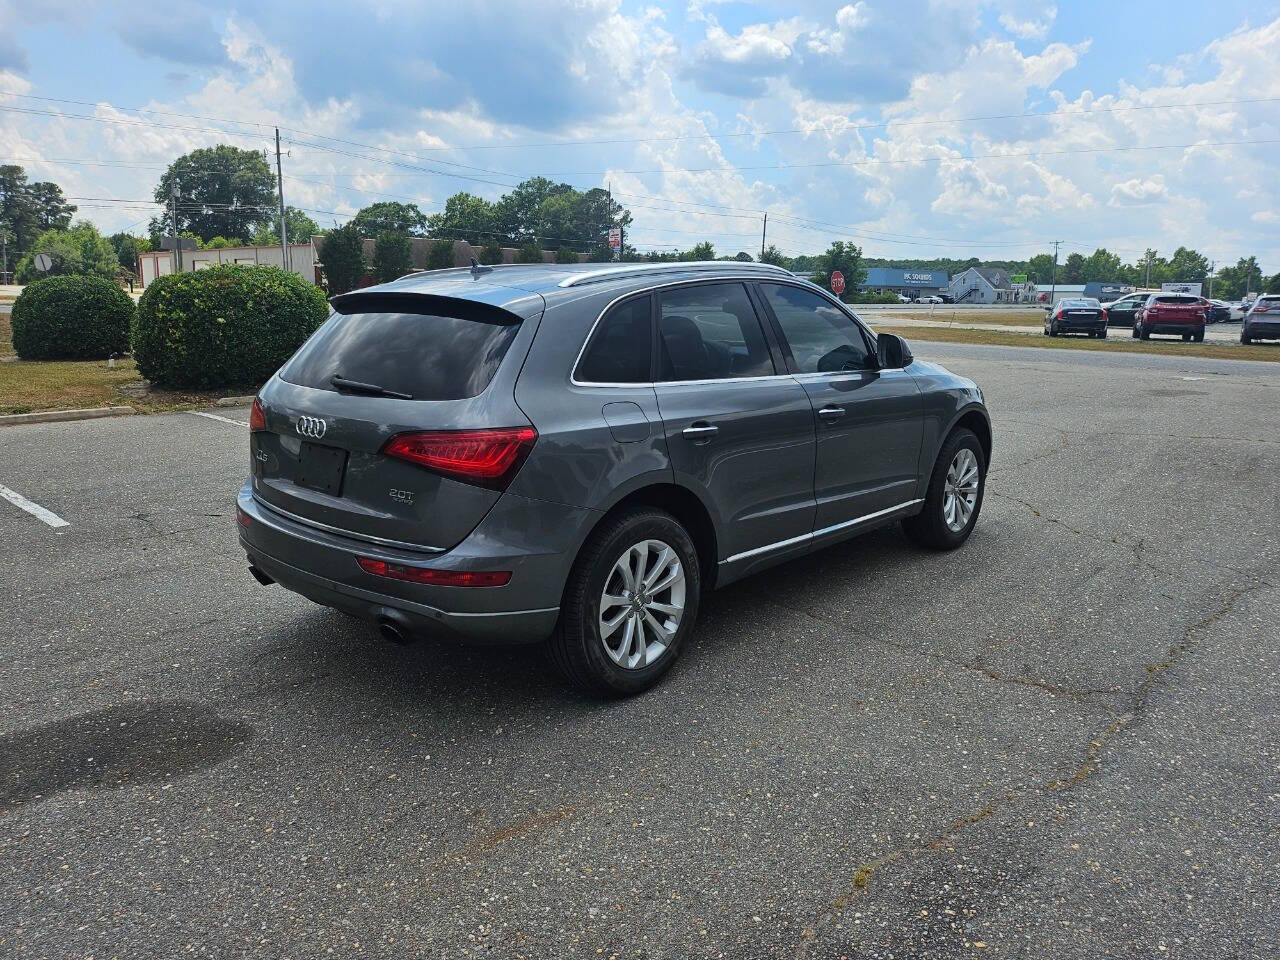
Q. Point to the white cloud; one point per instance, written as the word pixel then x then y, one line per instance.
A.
pixel 1029 29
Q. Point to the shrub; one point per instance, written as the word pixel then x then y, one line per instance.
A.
pixel 529 253
pixel 565 255
pixel 858 296
pixel 224 326
pixel 71 318
pixel 392 255
pixel 491 252
pixel 342 255
pixel 441 255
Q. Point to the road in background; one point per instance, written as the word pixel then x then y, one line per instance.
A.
pixel 1060 740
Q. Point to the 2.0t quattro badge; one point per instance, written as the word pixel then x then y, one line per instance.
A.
pixel 313 427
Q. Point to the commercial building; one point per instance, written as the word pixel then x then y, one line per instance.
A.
pixel 158 263
pixel 912 283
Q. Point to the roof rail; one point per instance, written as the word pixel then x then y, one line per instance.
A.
pixel 674 266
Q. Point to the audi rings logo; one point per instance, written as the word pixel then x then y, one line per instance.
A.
pixel 313 427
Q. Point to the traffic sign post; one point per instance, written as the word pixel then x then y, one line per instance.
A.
pixel 837 282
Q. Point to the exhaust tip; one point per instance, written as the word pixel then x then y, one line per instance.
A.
pixel 392 632
pixel 261 577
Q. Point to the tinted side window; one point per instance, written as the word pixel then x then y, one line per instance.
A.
pixel 710 332
pixel 822 337
pixel 621 349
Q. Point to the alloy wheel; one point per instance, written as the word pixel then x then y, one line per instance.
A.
pixel 960 495
pixel 642 604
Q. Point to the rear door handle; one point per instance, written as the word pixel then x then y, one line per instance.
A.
pixel 831 413
pixel 701 430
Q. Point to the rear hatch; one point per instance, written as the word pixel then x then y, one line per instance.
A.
pixel 437 371
pixel 1175 310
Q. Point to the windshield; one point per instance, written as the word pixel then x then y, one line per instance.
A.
pixel 1082 304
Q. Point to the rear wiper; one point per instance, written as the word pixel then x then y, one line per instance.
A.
pixel 357 386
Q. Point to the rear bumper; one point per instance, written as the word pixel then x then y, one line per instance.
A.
pixel 322 566
pixel 1081 326
pixel 1262 331
pixel 1181 329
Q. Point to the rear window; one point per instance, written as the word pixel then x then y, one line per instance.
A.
pixel 429 356
pixel 1083 304
pixel 1179 301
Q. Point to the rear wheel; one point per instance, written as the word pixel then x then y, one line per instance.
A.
pixel 954 498
pixel 630 603
pixel 1199 336
pixel 1245 338
pixel 1102 334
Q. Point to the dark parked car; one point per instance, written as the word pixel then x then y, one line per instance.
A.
pixel 572 454
pixel 1217 311
pixel 1180 314
pixel 1262 322
pixel 1081 315
pixel 1121 313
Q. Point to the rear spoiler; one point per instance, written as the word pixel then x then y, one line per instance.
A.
pixel 399 301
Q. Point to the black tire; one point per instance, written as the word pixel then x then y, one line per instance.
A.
pixel 1186 338
pixel 1102 334
pixel 1198 337
pixel 1145 334
pixel 1245 338
pixel 1053 328
pixel 576 647
pixel 928 528
pixel 1135 331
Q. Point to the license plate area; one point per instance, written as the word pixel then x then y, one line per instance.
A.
pixel 321 468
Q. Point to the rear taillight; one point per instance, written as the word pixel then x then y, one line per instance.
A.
pixel 487 458
pixel 242 518
pixel 436 578
pixel 1104 315
pixel 257 419
pixel 1261 308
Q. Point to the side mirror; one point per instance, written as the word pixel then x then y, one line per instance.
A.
pixel 892 352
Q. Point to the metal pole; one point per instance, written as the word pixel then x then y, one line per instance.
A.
pixel 1053 283
pixel 1213 267
pixel 4 255
pixel 763 230
pixel 177 240
pixel 284 236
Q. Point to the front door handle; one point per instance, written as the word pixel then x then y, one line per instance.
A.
pixel 831 413
pixel 700 431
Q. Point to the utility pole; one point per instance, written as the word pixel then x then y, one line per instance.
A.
pixel 4 254
pixel 284 237
pixel 1053 283
pixel 177 240
pixel 1148 283
pixel 763 230
pixel 1213 268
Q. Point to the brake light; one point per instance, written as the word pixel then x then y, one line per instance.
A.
pixel 436 578
pixel 1261 307
pixel 243 518
pixel 487 458
pixel 257 419
pixel 1104 314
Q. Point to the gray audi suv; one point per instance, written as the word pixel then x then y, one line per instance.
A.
pixel 573 454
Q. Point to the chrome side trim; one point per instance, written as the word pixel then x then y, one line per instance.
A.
pixel 817 534
pixel 339 531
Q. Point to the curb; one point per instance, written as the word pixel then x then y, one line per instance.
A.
pixel 57 416
pixel 235 401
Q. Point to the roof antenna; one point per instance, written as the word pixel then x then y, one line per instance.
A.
pixel 478 271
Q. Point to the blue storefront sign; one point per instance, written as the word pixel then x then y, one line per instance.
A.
pixel 893 278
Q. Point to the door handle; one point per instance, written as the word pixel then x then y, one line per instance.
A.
pixel 831 413
pixel 701 430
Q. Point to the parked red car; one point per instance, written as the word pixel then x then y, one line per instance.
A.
pixel 1177 313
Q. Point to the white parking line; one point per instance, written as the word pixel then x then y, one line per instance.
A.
pixel 214 416
pixel 37 511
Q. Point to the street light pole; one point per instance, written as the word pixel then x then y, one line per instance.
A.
pixel 284 237
pixel 177 240
pixel 1053 283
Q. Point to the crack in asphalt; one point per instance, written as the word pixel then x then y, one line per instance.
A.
pixel 1193 635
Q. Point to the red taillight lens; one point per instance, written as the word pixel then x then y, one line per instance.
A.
pixel 1262 308
pixel 489 458
pixel 436 578
pixel 1105 315
pixel 257 419
pixel 242 518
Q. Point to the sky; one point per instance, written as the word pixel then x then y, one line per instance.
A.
pixel 915 128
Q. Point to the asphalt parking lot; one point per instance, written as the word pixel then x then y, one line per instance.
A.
pixel 1061 740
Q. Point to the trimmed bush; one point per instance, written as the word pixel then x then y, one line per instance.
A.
pixel 225 326
pixel 565 255
pixel 491 252
pixel 71 318
pixel 529 253
pixel 392 256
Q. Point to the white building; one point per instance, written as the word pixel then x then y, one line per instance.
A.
pixel 982 285
pixel 158 263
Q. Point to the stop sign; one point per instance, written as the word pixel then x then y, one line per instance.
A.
pixel 837 282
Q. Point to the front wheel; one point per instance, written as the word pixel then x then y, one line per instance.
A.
pixel 954 498
pixel 630 603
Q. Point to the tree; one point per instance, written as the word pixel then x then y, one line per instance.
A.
pixel 700 251
pixel 1040 269
pixel 845 257
pixel 389 215
pixel 491 252
pixel 465 216
pixel 342 256
pixel 442 255
pixel 1073 270
pixel 1233 283
pixel 1102 266
pixel 744 257
pixel 529 253
pixel 218 243
pixel 392 256
pixel 1188 265
pixel 566 255
pixel 80 250
pixel 1272 284
pixel 52 212
pixel 224 191
pixel 300 227
pixel 774 256
pixel 127 248
pixel 518 213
